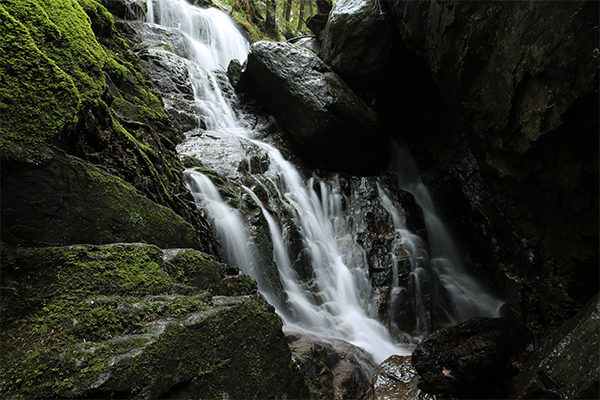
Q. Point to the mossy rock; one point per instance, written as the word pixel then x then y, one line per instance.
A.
pixel 70 81
pixel 69 201
pixel 118 321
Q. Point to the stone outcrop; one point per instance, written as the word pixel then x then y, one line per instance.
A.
pixel 88 97
pixel 499 104
pixel 563 366
pixel 67 201
pixel 517 141
pixel 360 43
pixel 135 321
pixel 471 358
pixel 329 125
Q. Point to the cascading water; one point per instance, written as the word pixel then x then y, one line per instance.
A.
pixel 333 301
pixel 470 297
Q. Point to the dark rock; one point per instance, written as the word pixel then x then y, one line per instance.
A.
pixel 359 41
pixel 324 6
pixel 70 201
pixel 316 23
pixel 520 81
pixel 126 9
pixel 327 123
pixel 395 378
pixel 234 71
pixel 469 359
pixel 566 365
pixel 310 42
pixel 334 368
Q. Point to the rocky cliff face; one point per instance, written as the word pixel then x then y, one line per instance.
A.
pixel 504 123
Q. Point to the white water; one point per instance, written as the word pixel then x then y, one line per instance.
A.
pixel 409 242
pixel 214 36
pixel 471 298
pixel 334 304
pixel 150 12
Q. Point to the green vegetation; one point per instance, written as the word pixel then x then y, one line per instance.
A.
pixel 73 317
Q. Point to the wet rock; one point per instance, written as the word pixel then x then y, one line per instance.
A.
pixel 520 81
pixel 469 359
pixel 138 326
pixel 566 364
pixel 335 369
pixel 396 379
pixel 329 126
pixel 69 201
pixel 359 44
pixel 126 9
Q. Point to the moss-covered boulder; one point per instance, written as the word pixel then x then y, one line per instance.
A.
pixel 132 321
pixel 70 81
pixel 68 201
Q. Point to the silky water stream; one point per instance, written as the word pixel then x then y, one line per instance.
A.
pixel 336 300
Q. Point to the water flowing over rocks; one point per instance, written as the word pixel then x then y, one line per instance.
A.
pixel 520 87
pixel 497 101
pixel 328 125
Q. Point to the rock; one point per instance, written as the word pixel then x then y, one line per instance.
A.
pixel 469 359
pixel 317 23
pixel 121 322
pixel 310 43
pixel 521 84
pixel 329 125
pixel 126 9
pixel 396 379
pixel 359 42
pixel 68 201
pixel 335 369
pixel 566 364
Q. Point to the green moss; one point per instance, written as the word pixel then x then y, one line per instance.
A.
pixel 121 204
pixel 62 30
pixel 78 311
pixel 255 33
pixel 38 99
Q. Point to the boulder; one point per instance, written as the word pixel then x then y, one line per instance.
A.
pixel 327 123
pixel 334 368
pixel 396 379
pixel 359 42
pixel 132 321
pixel 566 365
pixel 469 359
pixel 68 201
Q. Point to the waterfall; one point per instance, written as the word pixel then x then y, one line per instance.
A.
pixel 150 11
pixel 214 37
pixel 334 301
pixel 470 297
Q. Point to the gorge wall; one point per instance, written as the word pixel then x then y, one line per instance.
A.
pixel 499 104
